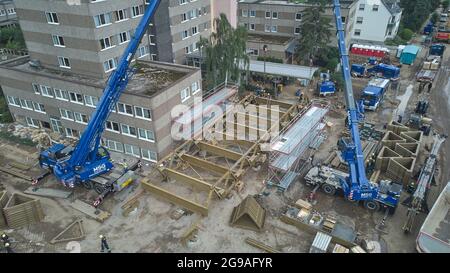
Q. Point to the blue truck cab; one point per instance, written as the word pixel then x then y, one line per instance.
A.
pixel 358 70
pixel 428 28
pixel 437 49
pixel 373 94
pixel 386 71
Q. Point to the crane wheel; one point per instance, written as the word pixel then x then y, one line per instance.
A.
pixel 328 189
pixel 372 205
pixel 98 188
pixel 88 185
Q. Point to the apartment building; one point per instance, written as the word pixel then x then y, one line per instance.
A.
pixel 74 45
pixel 88 36
pixel 376 20
pixel 276 24
pixel 8 15
pixel 140 124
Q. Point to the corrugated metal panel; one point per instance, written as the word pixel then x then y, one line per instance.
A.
pixel 320 243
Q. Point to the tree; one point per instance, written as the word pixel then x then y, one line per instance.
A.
pixel 416 12
pixel 224 51
pixel 434 18
pixel 315 32
pixel 12 38
pixel 406 34
pixel 445 4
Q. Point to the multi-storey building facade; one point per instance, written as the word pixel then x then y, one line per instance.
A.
pixel 277 25
pixel 139 126
pixel 376 20
pixel 88 36
pixel 74 45
pixel 8 15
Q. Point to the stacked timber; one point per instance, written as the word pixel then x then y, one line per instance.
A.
pixel 21 210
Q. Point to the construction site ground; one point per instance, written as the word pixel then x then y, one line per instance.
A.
pixel 149 226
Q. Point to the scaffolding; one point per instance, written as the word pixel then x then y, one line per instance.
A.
pixel 289 149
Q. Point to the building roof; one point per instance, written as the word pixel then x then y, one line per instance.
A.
pixel 286 70
pixel 392 6
pixel 151 78
pixel 411 49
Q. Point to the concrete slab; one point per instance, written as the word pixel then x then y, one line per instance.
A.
pixel 47 192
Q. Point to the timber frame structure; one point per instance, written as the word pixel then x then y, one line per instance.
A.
pixel 224 161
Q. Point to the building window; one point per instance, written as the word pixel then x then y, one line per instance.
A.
pixel 36 88
pixel 2 12
pixel 128 130
pixel 297 30
pixel 132 150
pixel 274 29
pixel 194 30
pixel 66 114
pixel 106 43
pixel 121 15
pixel 268 14
pixel 61 94
pixel 102 19
pixel 362 6
pixel 124 37
pixel 26 104
pixel 252 27
pixel 114 145
pixel 39 107
pixel 244 13
pixel 184 34
pixel 146 135
pixel 274 15
pixel 253 13
pixel 58 41
pixel 90 100
pixel 143 113
pixel 76 98
pixel 359 20
pixel 13 101
pixel 32 122
pixel 72 133
pixel 81 118
pixel 267 28
pixel 47 91
pixel 343 19
pixel 357 32
pixel 185 94
pixel 143 51
pixel 125 109
pixel 375 8
pixel 112 126
pixel 184 17
pixel 195 88
pixel 63 62
pixel 137 11
pixel 11 11
pixel 298 16
pixel 182 2
pixel 52 18
pixel 152 39
pixel 109 65
pixel 149 155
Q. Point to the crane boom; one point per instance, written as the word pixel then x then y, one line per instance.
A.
pixel 86 160
pixel 358 186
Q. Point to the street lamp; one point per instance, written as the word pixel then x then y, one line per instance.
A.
pixel 265 47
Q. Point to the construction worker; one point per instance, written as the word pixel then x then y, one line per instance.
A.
pixel 5 238
pixel 8 248
pixel 430 85
pixel 139 165
pixel 104 244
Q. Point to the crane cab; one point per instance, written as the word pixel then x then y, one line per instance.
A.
pixel 54 154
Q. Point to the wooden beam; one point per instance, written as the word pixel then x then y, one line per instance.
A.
pixel 215 150
pixel 206 165
pixel 191 181
pixel 268 102
pixel 178 200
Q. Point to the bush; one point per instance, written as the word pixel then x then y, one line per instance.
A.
pixel 434 18
pixel 445 4
pixel 406 34
pixel 270 59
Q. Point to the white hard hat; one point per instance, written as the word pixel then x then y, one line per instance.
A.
pixel 101 236
pixel 6 244
pixel 3 235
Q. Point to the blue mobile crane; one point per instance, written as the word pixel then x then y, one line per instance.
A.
pixel 355 185
pixel 89 159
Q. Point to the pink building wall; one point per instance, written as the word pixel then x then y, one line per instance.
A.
pixel 228 7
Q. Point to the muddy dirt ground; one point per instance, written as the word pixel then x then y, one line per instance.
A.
pixel 150 228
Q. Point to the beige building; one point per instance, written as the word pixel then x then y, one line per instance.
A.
pixel 277 25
